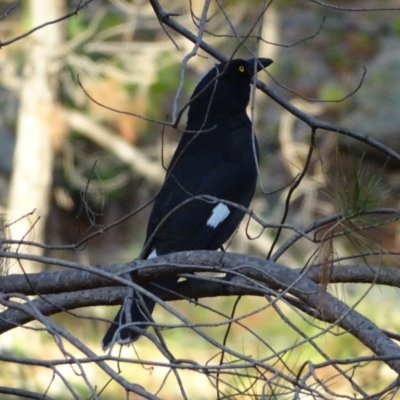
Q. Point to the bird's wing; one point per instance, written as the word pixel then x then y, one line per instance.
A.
pixel 214 171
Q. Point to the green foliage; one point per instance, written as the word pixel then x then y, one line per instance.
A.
pixel 78 24
pixel 396 25
pixel 356 194
pixel 359 192
pixel 337 56
pixel 168 79
pixel 332 91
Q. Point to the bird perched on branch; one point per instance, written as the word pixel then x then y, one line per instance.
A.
pixel 214 165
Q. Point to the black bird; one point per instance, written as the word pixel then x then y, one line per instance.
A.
pixel 217 156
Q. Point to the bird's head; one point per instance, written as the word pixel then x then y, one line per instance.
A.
pixel 225 89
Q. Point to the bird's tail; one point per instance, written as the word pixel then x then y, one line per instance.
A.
pixel 123 332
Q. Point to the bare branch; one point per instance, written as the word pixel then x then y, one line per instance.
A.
pixel 55 21
pixel 273 275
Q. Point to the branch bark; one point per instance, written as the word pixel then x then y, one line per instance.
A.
pixel 251 275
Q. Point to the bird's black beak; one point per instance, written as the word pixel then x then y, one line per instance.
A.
pixel 260 63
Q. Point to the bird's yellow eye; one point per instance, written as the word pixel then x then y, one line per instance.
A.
pixel 241 68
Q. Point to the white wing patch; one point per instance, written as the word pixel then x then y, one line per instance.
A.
pixel 219 214
pixel 152 254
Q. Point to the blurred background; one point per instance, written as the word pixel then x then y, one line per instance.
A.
pixel 70 167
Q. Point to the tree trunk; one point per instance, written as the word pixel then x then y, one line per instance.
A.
pixel 38 128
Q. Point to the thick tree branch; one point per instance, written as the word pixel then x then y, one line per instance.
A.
pixel 79 277
pixel 255 273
